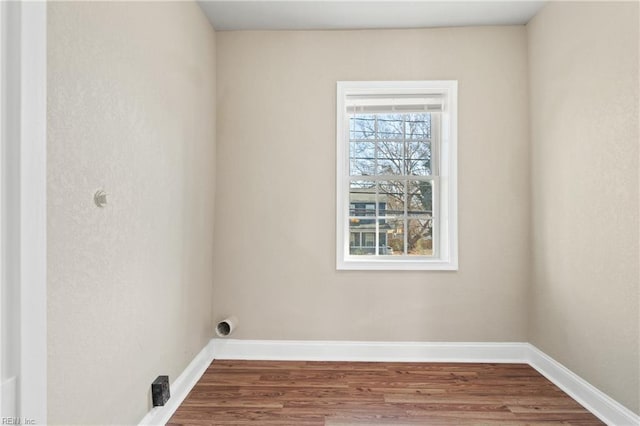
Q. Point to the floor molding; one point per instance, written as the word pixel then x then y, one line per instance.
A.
pixel 601 405
pixel 301 350
pixel 181 387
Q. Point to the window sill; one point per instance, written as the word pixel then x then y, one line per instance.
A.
pixel 371 263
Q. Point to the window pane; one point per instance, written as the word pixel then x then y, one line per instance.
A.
pixel 391 197
pixel 354 239
pixel 395 239
pixel 390 126
pixel 418 126
pixel 361 237
pixel 419 198
pixel 419 158
pixel 362 126
pixel 361 195
pixel 390 158
pixel 419 237
pixel 391 240
pixel 362 158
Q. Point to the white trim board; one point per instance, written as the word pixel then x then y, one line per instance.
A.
pixel 181 387
pixel 23 210
pixel 291 350
pixel 601 405
pixel 32 384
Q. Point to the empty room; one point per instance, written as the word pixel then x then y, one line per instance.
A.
pixel 320 212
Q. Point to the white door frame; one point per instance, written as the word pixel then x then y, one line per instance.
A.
pixel 23 192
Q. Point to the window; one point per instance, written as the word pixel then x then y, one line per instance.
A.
pixel 396 175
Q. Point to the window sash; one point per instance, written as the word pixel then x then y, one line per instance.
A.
pixel 378 143
pixel 405 216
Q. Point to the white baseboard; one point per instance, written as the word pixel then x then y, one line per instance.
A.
pixel 301 350
pixel 601 405
pixel 181 387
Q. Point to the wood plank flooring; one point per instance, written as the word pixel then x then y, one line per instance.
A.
pixel 366 393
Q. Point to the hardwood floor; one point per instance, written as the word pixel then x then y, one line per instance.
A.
pixel 366 393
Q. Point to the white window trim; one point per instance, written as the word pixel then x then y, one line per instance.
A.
pixel 447 198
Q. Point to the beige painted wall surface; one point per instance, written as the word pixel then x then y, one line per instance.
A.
pixel 275 199
pixel 584 123
pixel 131 110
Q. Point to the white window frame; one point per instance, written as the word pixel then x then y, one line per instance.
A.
pixel 445 192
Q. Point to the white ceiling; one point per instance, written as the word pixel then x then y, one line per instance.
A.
pixel 363 14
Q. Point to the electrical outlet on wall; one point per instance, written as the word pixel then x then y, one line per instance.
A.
pixel 160 391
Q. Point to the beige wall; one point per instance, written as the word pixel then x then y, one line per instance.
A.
pixel 132 107
pixel 131 110
pixel 275 201
pixel 584 125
